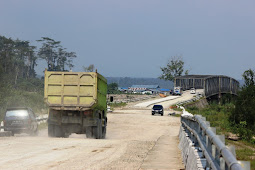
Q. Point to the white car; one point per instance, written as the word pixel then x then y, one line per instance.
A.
pixel 147 92
pixel 192 91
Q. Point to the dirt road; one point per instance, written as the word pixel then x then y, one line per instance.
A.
pixel 135 140
pixel 167 101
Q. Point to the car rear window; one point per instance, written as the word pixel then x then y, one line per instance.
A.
pixel 157 107
pixel 16 113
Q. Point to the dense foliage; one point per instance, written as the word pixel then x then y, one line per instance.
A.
pixel 217 115
pixel 17 59
pixel 243 116
pixel 112 88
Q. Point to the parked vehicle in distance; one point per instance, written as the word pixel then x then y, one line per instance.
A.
pixel 177 91
pixel 192 91
pixel 171 92
pixel 157 109
pixel 20 120
pixel 147 92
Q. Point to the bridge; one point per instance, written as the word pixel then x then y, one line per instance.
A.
pixel 212 84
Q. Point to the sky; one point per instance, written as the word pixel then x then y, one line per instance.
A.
pixel 134 38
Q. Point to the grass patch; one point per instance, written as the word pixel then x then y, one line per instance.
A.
pixel 217 115
pixel 244 151
pixel 114 105
pixel 176 115
pixel 174 107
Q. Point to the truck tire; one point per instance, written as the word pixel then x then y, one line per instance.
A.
pixel 66 135
pixel 104 128
pixel 97 130
pixel 103 132
pixel 51 132
pixel 89 132
pixel 58 131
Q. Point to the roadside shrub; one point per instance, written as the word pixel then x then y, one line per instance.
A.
pixel 243 132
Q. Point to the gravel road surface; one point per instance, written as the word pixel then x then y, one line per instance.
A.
pixel 133 138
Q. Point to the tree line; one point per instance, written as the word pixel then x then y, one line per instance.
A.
pixel 243 114
pixel 18 58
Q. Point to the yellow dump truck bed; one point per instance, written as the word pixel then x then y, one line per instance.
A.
pixel 75 90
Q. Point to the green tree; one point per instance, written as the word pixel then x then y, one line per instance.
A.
pixel 55 55
pixel 112 88
pixel 174 68
pixel 48 51
pixel 90 68
pixel 249 78
pixel 17 59
pixel 245 104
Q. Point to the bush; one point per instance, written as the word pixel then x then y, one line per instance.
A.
pixel 243 115
pixel 243 132
pixel 217 115
pixel 121 104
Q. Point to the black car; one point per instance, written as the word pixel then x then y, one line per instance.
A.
pixel 20 120
pixel 157 109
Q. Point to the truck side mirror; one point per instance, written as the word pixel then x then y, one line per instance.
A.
pixel 111 98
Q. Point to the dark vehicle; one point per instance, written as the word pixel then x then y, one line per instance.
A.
pixel 20 120
pixel 157 109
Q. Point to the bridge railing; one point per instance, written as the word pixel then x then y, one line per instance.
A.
pixel 203 149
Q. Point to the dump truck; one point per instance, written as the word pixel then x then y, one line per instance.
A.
pixel 77 103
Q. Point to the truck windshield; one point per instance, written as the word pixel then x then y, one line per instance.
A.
pixel 17 113
pixel 157 107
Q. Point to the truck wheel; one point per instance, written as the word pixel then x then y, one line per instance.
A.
pixel 66 135
pixel 58 131
pixel 51 131
pixel 89 132
pixel 104 128
pixel 103 132
pixel 97 131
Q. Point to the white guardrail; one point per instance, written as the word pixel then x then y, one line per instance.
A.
pixel 203 149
